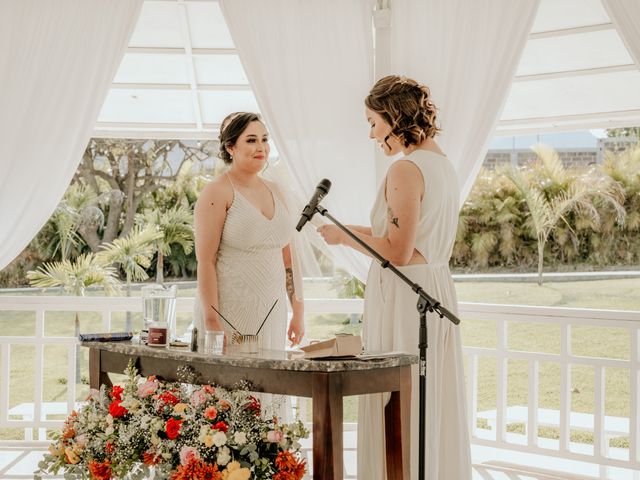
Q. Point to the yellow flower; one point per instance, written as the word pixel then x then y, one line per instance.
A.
pixel 180 408
pixel 71 456
pixel 54 450
pixel 235 472
pixel 208 441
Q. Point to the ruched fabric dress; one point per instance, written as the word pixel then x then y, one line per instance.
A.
pixel 391 322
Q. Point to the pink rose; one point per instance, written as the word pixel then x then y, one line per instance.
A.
pixel 187 454
pixel 210 413
pixel 198 398
pixel 147 388
pixel 274 436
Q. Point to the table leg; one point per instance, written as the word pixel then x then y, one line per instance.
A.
pixel 327 427
pixel 96 376
pixel 397 423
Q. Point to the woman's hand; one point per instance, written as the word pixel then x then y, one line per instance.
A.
pixel 296 329
pixel 331 234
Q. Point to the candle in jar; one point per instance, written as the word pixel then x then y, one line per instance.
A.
pixel 157 334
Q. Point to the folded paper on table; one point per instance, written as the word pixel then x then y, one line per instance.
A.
pixel 343 345
pixel 105 337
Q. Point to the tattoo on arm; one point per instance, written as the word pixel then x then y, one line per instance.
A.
pixel 392 219
pixel 291 291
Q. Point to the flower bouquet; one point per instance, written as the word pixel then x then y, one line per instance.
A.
pixel 178 431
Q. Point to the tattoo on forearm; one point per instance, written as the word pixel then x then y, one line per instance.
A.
pixel 392 219
pixel 291 291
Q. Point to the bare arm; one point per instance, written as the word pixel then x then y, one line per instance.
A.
pixel 210 215
pixel 404 195
pixel 360 228
pixel 297 327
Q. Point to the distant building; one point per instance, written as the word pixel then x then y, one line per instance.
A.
pixel 576 149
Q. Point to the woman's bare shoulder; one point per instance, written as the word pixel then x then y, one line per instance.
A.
pixel 219 189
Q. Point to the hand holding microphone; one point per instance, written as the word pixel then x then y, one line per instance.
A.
pixel 321 190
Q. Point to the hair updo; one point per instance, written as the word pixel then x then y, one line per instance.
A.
pixel 231 129
pixel 406 106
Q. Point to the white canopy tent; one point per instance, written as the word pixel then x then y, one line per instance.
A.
pixel 181 74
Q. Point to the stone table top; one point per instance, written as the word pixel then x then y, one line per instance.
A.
pixel 265 359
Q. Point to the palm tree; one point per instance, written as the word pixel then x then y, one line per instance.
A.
pixel 176 225
pixel 75 277
pixel 76 207
pixel 133 254
pixel 554 193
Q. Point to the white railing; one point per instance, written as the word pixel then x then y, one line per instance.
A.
pixel 494 432
pixel 603 428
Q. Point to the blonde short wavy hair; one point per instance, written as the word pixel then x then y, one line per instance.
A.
pixel 405 105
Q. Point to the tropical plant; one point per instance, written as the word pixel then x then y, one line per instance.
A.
pixel 176 226
pixel 75 277
pixel 551 193
pixel 133 255
pixel 123 172
pixel 59 239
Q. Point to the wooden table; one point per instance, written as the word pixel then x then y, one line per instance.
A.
pixel 326 382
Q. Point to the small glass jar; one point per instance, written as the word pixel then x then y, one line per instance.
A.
pixel 158 334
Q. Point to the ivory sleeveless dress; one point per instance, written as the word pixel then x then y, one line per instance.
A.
pixel 391 322
pixel 250 270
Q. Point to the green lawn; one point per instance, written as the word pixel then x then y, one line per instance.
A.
pixel 611 343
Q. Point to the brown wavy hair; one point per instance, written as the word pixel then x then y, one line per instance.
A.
pixel 230 130
pixel 405 105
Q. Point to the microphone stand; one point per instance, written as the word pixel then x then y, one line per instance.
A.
pixel 425 304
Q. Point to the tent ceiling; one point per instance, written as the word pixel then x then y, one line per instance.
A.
pixel 181 74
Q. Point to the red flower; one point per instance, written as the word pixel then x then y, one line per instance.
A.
pixel 116 392
pixel 116 410
pixel 223 427
pixel 109 447
pixel 169 398
pixel 173 428
pixel 100 470
pixel 197 469
pixel 253 405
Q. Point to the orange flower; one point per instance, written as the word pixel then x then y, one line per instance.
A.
pixel 100 470
pixel 197 469
pixel 151 458
pixel 289 464
pixel 69 431
pixel 283 476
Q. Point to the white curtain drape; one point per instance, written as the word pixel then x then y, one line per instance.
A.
pixel 310 66
pixel 57 60
pixel 625 15
pixel 467 53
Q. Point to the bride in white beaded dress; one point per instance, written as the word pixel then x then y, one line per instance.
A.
pixel 243 233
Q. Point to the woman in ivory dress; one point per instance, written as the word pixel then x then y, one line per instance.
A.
pixel 243 233
pixel 413 224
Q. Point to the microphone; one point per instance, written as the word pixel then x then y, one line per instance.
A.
pixel 321 190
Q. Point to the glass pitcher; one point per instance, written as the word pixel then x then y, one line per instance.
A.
pixel 159 305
